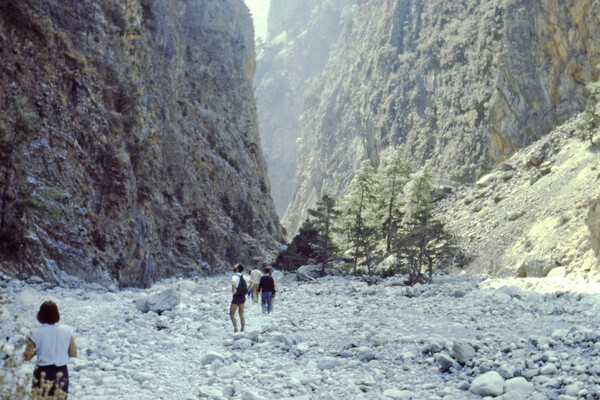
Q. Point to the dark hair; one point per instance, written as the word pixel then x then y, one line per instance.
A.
pixel 239 267
pixel 268 270
pixel 48 313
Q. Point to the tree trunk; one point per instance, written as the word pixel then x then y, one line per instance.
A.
pixel 358 230
pixel 326 250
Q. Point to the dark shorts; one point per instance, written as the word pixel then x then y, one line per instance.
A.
pixel 238 299
pixel 50 375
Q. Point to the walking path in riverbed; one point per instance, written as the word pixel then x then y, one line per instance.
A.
pixel 337 338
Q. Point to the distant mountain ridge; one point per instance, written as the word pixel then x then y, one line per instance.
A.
pixel 464 83
pixel 142 158
pixel 301 37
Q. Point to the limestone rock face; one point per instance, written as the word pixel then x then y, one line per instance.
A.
pixel 537 215
pixel 300 39
pixel 465 83
pixel 142 157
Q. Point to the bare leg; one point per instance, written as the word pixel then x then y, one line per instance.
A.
pixel 232 311
pixel 242 319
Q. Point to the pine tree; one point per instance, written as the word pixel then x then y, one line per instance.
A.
pixel 358 218
pixel 417 212
pixel 424 239
pixel 322 219
pixel 392 177
pixel 418 201
pixel 301 250
pixel 591 117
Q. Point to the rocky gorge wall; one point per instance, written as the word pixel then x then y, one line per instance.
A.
pixel 138 154
pixel 465 83
pixel 301 37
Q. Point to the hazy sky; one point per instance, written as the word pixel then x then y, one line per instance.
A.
pixel 260 11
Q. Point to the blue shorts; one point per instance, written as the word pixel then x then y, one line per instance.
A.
pixel 238 299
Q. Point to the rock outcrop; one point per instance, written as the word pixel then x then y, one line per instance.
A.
pixel 301 37
pixel 535 214
pixel 133 150
pixel 464 83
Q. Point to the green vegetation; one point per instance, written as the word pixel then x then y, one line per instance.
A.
pixel 301 250
pixel 321 219
pixel 588 128
pixel 386 215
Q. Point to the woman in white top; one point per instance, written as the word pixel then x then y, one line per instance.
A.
pixel 53 344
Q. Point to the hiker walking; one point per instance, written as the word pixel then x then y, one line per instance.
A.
pixel 268 287
pixel 239 288
pixel 255 276
pixel 53 344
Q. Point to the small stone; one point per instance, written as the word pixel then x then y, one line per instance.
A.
pixel 328 363
pixel 110 352
pixel 446 362
pixel 208 392
pixel 548 369
pixel 365 354
pixel 572 390
pixel 398 394
pixel 530 373
pixel 515 215
pixel 507 371
pixel 558 272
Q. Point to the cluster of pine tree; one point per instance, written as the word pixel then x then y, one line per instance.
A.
pixel 385 215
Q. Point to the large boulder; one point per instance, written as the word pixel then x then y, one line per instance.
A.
pixel 519 385
pixel 534 268
pixel 159 302
pixel 488 384
pixel 462 351
pixel 308 272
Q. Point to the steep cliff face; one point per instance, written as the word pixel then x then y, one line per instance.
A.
pixel 137 152
pixel 465 83
pixel 300 40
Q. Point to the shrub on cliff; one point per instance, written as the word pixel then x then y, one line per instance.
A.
pixel 588 128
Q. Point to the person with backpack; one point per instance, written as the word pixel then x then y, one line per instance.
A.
pixel 239 288
pixel 268 287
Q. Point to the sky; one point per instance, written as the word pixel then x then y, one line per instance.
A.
pixel 260 12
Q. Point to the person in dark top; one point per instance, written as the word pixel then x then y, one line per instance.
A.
pixel 268 287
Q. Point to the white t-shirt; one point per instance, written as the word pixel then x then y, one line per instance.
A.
pixel 255 276
pixel 52 344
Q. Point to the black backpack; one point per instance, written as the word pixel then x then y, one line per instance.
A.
pixel 242 288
